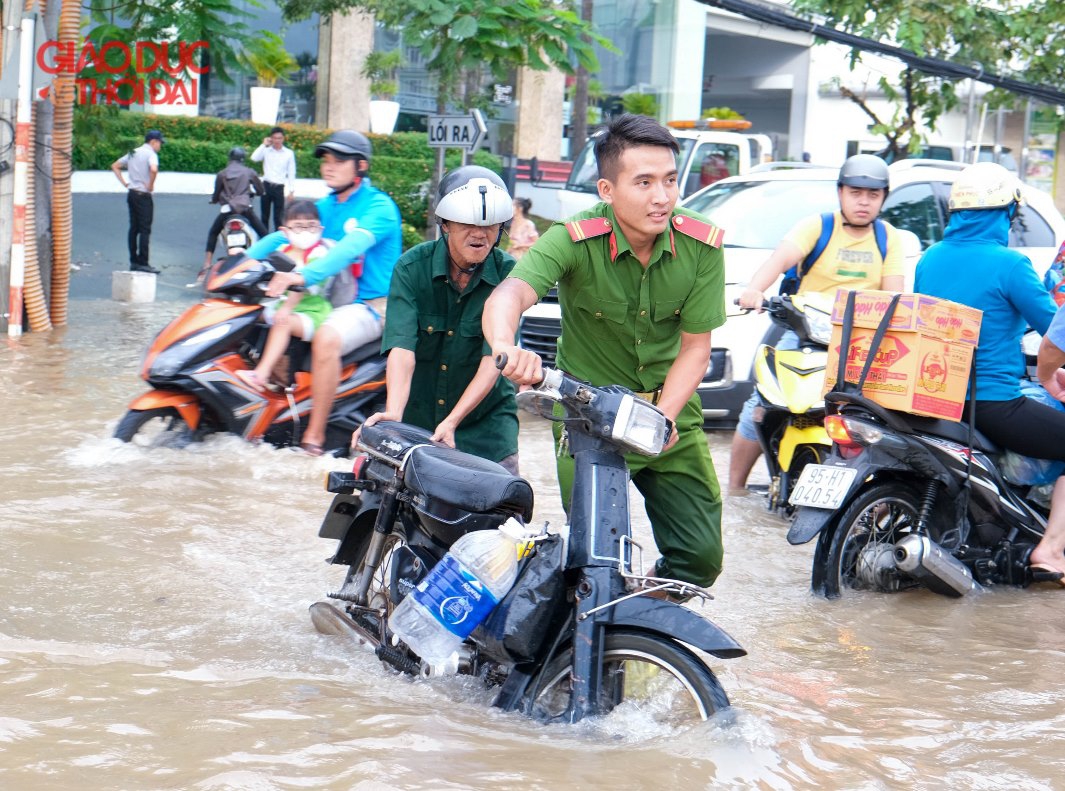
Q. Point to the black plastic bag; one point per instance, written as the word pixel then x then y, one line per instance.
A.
pixel 517 627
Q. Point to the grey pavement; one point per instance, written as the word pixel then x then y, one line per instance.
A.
pixel 179 230
pixel 99 247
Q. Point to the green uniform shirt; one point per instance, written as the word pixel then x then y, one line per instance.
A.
pixel 428 316
pixel 621 322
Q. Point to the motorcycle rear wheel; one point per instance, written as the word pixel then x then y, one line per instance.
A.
pixel 857 554
pixel 141 423
pixel 645 673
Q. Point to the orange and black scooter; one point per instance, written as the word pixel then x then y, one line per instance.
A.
pixel 192 367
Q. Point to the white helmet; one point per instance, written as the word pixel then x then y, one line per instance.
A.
pixel 474 196
pixel 985 185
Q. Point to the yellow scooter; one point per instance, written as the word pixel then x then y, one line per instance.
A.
pixel 790 419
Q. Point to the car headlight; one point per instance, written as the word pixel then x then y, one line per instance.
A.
pixel 639 426
pixel 818 325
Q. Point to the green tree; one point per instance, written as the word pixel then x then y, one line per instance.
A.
pixel 220 23
pixel 460 38
pixel 381 69
pixel 267 58
pixel 1015 38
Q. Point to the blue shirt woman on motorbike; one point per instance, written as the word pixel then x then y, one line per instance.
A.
pixel 974 265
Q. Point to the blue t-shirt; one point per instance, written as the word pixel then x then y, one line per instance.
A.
pixel 974 266
pixel 366 225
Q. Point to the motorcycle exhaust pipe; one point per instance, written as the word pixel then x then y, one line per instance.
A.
pixel 932 566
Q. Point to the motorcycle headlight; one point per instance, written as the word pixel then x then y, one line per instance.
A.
pixel 818 325
pixel 639 426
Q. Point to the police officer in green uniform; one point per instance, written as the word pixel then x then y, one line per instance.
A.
pixel 641 286
pixel 440 373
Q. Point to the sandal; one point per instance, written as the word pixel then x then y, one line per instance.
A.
pixel 311 449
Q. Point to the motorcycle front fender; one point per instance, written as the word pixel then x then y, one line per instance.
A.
pixel 186 404
pixel 350 519
pixel 797 437
pixel 675 622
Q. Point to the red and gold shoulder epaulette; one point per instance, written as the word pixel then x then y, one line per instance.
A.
pixel 699 230
pixel 579 230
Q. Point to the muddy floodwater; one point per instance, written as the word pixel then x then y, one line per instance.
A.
pixel 154 633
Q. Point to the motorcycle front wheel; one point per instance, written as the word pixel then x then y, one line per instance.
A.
pixel 161 427
pixel 644 673
pixel 378 595
pixel 859 553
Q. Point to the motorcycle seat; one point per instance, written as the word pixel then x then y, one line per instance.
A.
pixel 393 440
pixel 466 481
pixel 299 352
pixel 371 349
pixel 956 432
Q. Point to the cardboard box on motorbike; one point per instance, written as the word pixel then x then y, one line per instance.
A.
pixel 921 364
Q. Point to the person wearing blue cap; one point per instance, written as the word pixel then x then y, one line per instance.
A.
pixel 141 166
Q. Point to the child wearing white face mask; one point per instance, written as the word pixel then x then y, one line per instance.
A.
pixel 297 314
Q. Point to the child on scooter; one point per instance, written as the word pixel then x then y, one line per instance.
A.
pixel 297 314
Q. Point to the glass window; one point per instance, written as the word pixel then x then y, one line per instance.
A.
pixel 759 213
pixel 1030 229
pixel 710 163
pixel 914 208
pixel 585 171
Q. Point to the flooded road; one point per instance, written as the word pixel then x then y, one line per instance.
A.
pixel 154 634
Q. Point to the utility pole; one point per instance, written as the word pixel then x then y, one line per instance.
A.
pixel 9 38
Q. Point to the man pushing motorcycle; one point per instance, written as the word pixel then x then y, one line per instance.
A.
pixel 641 284
pixel 850 248
pixel 365 224
pixel 440 374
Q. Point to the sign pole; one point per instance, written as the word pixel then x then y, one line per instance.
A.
pixel 439 177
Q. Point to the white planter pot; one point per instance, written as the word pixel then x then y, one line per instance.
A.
pixel 383 116
pixel 264 105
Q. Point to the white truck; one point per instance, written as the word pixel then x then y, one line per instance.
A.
pixel 710 150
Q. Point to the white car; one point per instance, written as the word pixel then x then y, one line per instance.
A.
pixel 756 211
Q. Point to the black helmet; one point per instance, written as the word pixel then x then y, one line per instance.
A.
pixel 864 170
pixel 236 154
pixel 474 195
pixel 347 144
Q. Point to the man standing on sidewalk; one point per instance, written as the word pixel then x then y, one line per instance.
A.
pixel 279 174
pixel 142 166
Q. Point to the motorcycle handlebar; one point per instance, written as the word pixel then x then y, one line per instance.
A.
pixel 765 305
pixel 545 380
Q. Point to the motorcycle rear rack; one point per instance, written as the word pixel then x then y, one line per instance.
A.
pixel 641 584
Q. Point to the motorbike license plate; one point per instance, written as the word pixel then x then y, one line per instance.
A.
pixel 235 239
pixel 822 486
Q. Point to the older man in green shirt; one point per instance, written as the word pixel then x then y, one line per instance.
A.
pixel 440 373
pixel 641 286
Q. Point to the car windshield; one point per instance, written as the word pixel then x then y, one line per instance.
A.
pixel 585 172
pixel 760 213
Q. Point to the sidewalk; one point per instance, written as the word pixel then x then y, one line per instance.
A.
pixel 170 183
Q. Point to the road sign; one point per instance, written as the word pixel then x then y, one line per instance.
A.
pixel 457 131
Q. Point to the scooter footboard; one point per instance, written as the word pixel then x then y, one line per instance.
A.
pixel 675 622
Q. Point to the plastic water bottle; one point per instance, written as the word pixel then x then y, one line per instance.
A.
pixel 458 593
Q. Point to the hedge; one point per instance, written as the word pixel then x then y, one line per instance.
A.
pixel 402 164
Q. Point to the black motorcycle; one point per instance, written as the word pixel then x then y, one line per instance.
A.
pixel 908 501
pixel 581 631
